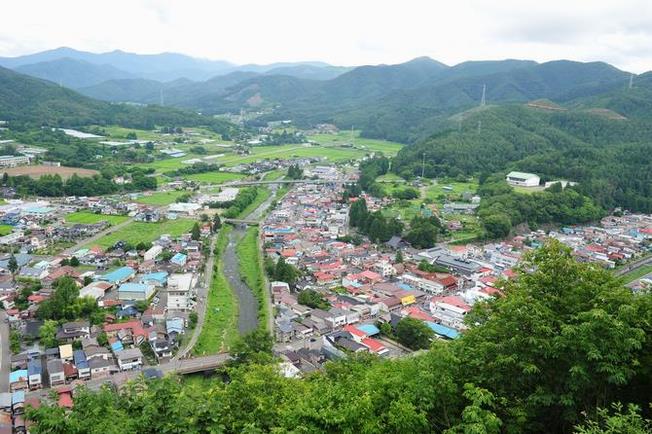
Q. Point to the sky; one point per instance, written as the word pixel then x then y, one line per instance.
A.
pixel 340 32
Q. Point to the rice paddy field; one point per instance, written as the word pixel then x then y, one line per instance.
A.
pixel 137 232
pixel 360 143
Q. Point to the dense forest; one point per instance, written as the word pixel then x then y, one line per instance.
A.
pixel 566 349
pixel 609 157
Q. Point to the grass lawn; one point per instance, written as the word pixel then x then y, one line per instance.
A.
pixel 91 218
pixel 262 194
pixel 251 271
pixel 438 191
pixel 527 190
pixel 636 274
pixel 344 137
pixel 220 324
pixel 137 232
pixel 161 197
pixel 5 230
pixel 214 177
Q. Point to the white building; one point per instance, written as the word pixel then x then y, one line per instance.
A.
pixel 13 161
pixel 153 252
pixel 180 291
pixel 184 208
pixel 523 179
pixel 429 286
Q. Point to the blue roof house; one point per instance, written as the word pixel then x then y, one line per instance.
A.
pixel 157 279
pixel 443 331
pixel 119 276
pixel 179 259
pixel 135 291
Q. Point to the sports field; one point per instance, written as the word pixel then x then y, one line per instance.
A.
pixel 92 218
pixel 137 232
pixel 39 170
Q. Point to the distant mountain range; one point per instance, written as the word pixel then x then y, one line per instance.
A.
pixel 78 72
pixel 403 102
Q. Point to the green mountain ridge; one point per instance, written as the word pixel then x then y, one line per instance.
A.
pixel 31 101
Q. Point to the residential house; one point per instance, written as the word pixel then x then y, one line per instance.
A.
pixel 56 372
pixel 131 358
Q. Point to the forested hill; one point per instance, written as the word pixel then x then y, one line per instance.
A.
pixel 609 155
pixel 31 101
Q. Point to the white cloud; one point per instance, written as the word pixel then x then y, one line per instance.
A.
pixel 347 32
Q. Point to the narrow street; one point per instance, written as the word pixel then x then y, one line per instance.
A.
pixel 5 353
pixel 202 295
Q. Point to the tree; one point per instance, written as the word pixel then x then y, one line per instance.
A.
pixel 74 261
pixel 566 323
pixel 217 223
pixel 12 265
pixel 399 257
pixel 48 334
pixel 414 334
pixel 14 341
pixel 285 272
pixel 102 339
pixel 497 225
pixel 195 232
pixel 313 299
pixel 617 422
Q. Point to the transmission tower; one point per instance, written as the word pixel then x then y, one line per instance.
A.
pixel 484 91
pixel 631 81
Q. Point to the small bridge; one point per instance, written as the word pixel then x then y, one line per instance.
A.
pixel 287 181
pixel 242 222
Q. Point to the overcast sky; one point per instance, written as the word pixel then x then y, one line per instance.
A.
pixel 342 32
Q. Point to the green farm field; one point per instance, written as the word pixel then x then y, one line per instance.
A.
pixel 345 137
pixel 137 232
pixel 214 177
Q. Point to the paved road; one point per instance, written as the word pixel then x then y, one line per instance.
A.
pixel 202 296
pixel 634 265
pixel 5 353
pixel 186 366
pixel 97 236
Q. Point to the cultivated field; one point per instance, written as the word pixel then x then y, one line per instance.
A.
pixel 213 177
pixel 161 197
pixel 38 171
pixel 137 232
pixel 92 218
pixel 345 137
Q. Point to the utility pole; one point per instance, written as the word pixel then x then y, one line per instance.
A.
pixel 423 165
